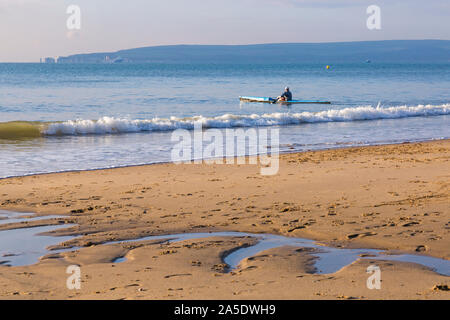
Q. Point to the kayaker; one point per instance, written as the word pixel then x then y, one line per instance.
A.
pixel 286 96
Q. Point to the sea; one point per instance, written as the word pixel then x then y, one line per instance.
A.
pixel 63 117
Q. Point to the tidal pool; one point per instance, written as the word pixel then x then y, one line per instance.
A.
pixel 26 245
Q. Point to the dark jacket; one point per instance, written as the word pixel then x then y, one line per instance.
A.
pixel 287 95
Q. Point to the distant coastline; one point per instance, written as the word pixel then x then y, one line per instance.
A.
pixel 387 51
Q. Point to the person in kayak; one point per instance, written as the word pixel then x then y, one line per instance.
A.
pixel 286 96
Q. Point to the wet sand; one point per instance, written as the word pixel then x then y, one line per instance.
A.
pixel 394 198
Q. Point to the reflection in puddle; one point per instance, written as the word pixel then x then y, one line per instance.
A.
pixel 7 217
pixel 25 246
pixel 119 260
pixel 330 260
pixel 19 247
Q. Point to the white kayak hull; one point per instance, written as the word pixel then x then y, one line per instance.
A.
pixel 272 100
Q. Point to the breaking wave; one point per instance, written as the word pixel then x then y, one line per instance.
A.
pixel 110 125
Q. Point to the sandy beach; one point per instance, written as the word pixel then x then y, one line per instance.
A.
pixel 394 198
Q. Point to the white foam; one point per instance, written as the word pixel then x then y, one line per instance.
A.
pixel 107 125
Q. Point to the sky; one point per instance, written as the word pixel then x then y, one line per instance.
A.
pixel 31 29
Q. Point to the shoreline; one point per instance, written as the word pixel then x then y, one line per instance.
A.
pixel 235 157
pixel 392 197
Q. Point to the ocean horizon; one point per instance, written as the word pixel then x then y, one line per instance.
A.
pixel 62 117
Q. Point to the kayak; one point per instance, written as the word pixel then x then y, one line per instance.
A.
pixel 272 100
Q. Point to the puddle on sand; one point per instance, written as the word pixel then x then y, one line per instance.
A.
pixel 25 246
pixel 330 260
pixel 7 217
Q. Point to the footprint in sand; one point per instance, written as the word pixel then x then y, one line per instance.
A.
pixel 357 235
